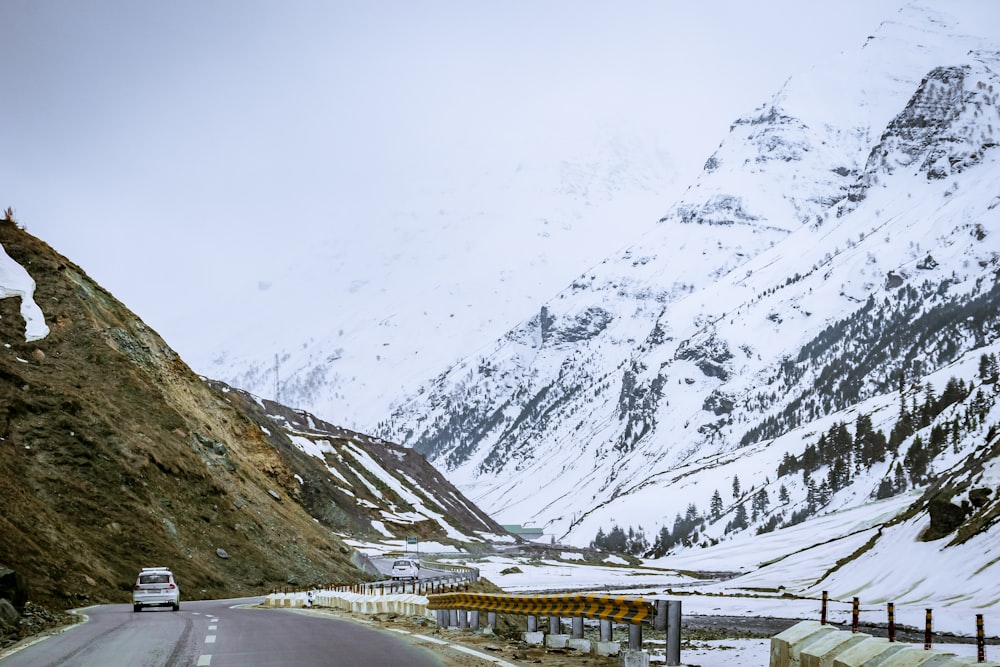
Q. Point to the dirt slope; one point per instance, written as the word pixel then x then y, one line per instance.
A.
pixel 114 455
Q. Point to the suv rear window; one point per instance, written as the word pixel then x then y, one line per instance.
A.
pixel 154 578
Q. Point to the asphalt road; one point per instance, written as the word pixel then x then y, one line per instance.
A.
pixel 216 633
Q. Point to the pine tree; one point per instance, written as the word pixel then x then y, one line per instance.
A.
pixel 899 480
pixel 739 521
pixel 916 460
pixel 988 370
pixel 810 458
pixel 761 501
pixel 599 540
pixel 824 493
pixel 841 441
pixel 736 486
pixel 788 465
pixel 812 496
pixel 783 495
pixel 715 505
pixel 663 543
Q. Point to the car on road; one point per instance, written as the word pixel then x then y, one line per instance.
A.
pixel 405 568
pixel 156 587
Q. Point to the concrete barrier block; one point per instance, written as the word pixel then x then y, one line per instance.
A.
pixel 965 660
pixel 868 653
pixel 534 638
pixel 786 646
pixel 607 648
pixel 581 645
pixel 631 657
pixel 822 652
pixel 914 657
pixel 556 641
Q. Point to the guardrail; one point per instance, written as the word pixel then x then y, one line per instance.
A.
pixel 619 609
pixel 454 606
pixel 452 577
pixel 462 609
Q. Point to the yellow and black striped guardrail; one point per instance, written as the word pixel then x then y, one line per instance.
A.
pixel 616 608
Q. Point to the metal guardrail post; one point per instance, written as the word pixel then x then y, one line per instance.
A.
pixel 491 619
pixel 453 620
pixel 605 630
pixel 578 627
pixel 673 632
pixel 980 639
pixel 635 636
pixel 532 622
pixel 659 620
pixel 554 626
pixel 474 620
pixel 463 619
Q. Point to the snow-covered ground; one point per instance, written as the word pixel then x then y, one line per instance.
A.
pixel 738 597
pixel 788 562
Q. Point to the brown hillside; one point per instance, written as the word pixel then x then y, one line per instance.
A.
pixel 114 455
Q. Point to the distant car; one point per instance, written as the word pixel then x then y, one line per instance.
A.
pixel 405 568
pixel 156 587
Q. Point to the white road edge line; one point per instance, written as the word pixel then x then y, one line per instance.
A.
pixel 457 647
pixel 484 656
pixel 17 648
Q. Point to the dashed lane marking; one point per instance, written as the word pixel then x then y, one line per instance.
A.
pixel 204 660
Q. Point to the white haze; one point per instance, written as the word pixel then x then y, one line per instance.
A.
pixel 391 184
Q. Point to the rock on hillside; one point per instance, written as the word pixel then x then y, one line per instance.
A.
pixel 114 455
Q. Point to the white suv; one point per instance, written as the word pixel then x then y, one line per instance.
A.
pixel 155 587
pixel 405 568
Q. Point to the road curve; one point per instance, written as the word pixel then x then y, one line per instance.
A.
pixel 216 633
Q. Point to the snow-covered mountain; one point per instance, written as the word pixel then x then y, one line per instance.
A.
pixel 393 317
pixel 832 270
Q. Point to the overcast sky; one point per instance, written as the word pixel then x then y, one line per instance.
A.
pixel 167 147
